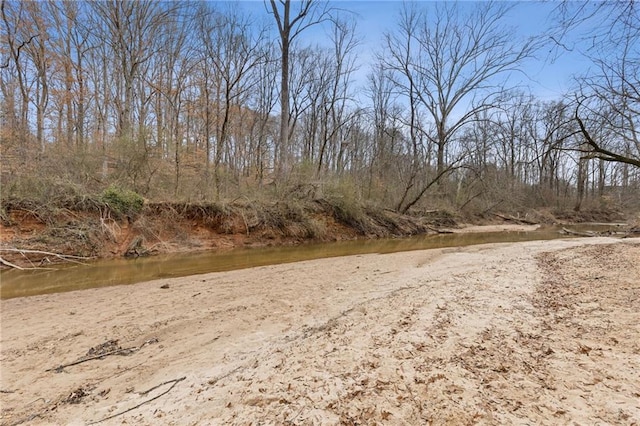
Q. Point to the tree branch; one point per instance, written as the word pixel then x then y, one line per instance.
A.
pixel 601 152
pixel 174 381
pixel 65 257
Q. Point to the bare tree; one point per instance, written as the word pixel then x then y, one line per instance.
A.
pixel 263 102
pixel 134 29
pixel 548 131
pixel 291 23
pixel 608 103
pixel 399 59
pixel 610 100
pixel 512 119
pixel 38 51
pixel 462 63
pixel 451 67
pixel 17 36
pixel 321 93
pixel 385 114
pixel 238 51
pixel 170 83
pixel 338 96
pixel 71 45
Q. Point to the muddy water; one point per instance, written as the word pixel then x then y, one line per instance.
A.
pixel 14 283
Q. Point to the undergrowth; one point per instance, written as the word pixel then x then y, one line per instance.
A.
pixel 123 202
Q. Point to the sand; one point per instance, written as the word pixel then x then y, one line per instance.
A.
pixel 541 332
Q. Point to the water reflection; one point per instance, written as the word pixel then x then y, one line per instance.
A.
pixel 14 283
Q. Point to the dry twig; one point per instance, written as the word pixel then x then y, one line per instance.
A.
pixel 174 383
pixel 119 351
pixel 28 418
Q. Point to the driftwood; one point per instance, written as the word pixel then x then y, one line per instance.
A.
pixel 439 231
pixel 622 234
pixel 29 418
pixel 515 219
pixel 60 368
pixel 101 354
pixel 11 265
pixel 578 233
pixel 174 383
pixel 20 268
pixel 24 252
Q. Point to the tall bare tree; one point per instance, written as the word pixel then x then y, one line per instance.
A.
pixel 291 23
pixel 237 52
pixel 71 45
pixel 462 64
pixel 18 34
pixel 607 108
pixel 340 95
pixel 263 102
pixel 400 58
pixel 134 29
pixel 453 64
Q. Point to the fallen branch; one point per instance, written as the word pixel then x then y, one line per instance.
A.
pixel 58 369
pixel 174 383
pixel 10 265
pixel 20 268
pixel 439 231
pixel 144 393
pixel 225 375
pixel 119 351
pixel 28 418
pixel 65 257
pixel 578 233
pixel 515 219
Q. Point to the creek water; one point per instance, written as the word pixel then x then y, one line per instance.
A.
pixel 102 273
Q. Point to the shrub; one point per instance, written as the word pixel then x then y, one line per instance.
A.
pixel 122 201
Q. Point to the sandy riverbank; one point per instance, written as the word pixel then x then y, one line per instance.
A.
pixel 545 331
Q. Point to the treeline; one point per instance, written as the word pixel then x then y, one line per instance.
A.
pixel 182 101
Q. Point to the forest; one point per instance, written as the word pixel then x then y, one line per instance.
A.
pixel 213 134
pixel 206 102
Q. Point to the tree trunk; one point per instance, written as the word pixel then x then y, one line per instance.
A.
pixel 580 184
pixel 283 152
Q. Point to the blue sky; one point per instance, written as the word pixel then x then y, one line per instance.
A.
pixel 547 77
